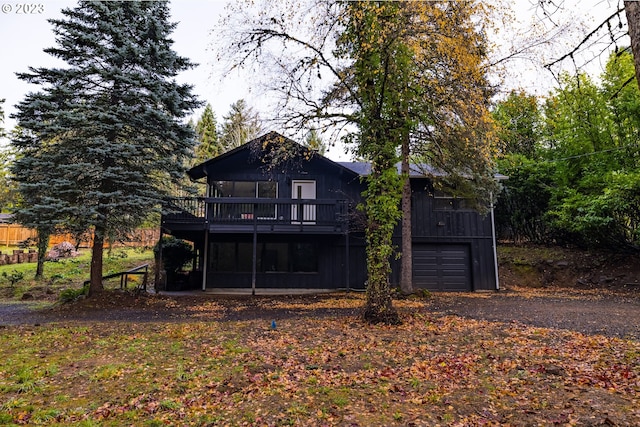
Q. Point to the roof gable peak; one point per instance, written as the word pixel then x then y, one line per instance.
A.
pixel 271 150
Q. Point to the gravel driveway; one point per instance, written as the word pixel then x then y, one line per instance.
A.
pixel 607 313
pixel 611 315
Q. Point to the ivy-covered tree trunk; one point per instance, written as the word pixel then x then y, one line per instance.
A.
pixel 380 69
pixel 382 197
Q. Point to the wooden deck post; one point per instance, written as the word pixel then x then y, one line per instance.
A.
pixel 347 260
pixel 205 263
pixel 254 261
pixel 206 260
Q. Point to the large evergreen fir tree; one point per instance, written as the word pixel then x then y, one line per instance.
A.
pixel 207 134
pixel 108 127
pixel 239 126
pixel 1 118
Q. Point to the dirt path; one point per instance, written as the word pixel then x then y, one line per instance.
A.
pixel 609 313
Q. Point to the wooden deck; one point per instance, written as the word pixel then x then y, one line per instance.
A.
pixel 246 215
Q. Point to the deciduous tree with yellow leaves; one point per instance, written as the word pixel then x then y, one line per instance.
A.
pixel 410 77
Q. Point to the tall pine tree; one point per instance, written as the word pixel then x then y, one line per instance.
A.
pixel 241 125
pixel 110 122
pixel 315 142
pixel 1 118
pixel 38 207
pixel 207 134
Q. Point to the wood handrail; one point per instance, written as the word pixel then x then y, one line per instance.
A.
pixel 124 276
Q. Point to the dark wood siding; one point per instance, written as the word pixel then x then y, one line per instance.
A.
pixel 453 247
pixel 332 266
pixel 332 181
pixel 357 262
pixel 428 221
pixel 443 231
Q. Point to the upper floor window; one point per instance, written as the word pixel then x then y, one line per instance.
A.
pixel 446 202
pixel 245 189
pixel 248 189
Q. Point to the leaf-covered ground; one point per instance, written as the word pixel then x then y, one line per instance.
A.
pixel 329 369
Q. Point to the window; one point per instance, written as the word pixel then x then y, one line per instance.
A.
pixel 446 202
pixel 442 201
pixel 245 189
pixel 223 256
pixel 249 189
pixel 304 257
pixel 266 190
pixel 271 257
pixel 245 257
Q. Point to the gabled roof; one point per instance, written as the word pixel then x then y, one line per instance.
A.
pixel 200 171
pixel 364 169
pixel 415 171
pixel 353 168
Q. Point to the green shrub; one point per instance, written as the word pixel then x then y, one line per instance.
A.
pixel 5 418
pixel 70 295
pixel 14 277
pixel 119 254
pixel 175 253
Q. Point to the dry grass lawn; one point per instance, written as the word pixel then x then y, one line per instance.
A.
pixel 330 371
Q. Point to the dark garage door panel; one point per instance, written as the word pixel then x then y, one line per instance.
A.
pixel 441 267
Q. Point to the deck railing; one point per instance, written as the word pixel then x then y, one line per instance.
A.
pixel 237 210
pixel 142 270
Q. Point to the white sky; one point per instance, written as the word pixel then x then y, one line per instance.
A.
pixel 24 36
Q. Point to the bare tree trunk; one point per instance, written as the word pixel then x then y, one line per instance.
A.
pixel 406 262
pixel 43 245
pixel 158 281
pixel 632 10
pixel 95 286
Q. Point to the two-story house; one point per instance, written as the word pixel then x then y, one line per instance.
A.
pixel 294 225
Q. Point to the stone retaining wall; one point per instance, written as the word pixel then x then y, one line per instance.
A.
pixel 18 257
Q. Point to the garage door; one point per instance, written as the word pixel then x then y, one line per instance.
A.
pixel 441 267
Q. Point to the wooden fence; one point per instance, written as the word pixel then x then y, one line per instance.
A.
pixel 13 234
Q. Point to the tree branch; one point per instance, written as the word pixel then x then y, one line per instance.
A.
pixel 585 39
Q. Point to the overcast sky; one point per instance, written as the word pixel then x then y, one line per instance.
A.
pixel 23 36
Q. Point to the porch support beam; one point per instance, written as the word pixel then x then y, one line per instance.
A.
pixel 205 264
pixel 254 261
pixel 347 260
pixel 206 259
